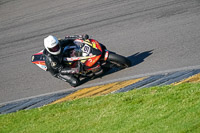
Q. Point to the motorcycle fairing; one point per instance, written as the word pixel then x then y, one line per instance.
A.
pixel 93 43
pixel 39 60
pixel 96 51
pixel 90 62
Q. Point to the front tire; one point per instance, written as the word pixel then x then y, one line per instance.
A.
pixel 119 61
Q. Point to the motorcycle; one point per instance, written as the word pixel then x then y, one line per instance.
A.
pixel 95 57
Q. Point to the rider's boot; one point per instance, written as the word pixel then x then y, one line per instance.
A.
pixel 73 81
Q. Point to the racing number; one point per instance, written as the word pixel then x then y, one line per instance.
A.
pixel 86 49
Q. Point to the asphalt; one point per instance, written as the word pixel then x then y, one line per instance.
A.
pixel 156 35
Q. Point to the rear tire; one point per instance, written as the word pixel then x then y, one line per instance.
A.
pixel 119 61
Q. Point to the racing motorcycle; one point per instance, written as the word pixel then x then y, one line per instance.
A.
pixel 94 55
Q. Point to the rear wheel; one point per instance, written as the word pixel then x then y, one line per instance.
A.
pixel 118 61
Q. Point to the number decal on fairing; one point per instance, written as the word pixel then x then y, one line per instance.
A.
pixel 86 49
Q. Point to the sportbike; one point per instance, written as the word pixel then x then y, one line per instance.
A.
pixel 93 55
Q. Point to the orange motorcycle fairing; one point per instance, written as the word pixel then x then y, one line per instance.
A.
pixel 90 62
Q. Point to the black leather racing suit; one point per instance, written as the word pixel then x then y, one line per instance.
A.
pixel 55 64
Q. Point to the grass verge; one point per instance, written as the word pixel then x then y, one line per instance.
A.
pixel 157 109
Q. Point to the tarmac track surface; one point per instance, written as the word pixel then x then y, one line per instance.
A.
pixel 157 35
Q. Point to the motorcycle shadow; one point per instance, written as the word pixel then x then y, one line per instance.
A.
pixel 135 59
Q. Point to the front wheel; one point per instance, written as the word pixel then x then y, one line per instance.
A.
pixel 118 61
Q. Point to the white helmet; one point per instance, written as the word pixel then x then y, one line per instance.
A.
pixel 51 44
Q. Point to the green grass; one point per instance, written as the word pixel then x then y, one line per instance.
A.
pixel 157 109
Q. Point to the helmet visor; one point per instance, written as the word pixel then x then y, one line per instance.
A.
pixel 55 48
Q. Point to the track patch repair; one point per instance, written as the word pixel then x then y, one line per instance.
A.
pixel 174 78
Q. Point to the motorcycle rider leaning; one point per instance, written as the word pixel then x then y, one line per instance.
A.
pixel 54 58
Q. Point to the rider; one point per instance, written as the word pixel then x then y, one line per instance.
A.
pixel 54 58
